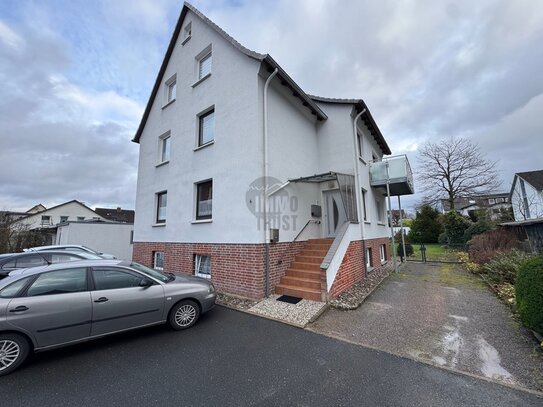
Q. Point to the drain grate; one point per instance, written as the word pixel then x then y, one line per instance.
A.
pixel 289 299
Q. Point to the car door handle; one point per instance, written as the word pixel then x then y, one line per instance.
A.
pixel 102 299
pixel 20 308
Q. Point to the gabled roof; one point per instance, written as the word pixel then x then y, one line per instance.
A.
pixel 286 80
pixel 367 118
pixel 534 178
pixel 58 206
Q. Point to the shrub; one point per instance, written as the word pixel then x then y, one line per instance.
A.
pixel 481 226
pixel 504 267
pixel 484 247
pixel 455 227
pixel 463 258
pixel 443 239
pixel 408 249
pixel 426 227
pixel 529 293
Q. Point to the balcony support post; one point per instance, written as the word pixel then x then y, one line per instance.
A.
pixel 401 228
pixel 394 262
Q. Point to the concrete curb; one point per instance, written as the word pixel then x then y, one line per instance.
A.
pixel 429 363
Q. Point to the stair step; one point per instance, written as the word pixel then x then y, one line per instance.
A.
pixel 307 293
pixel 327 241
pixel 301 265
pixel 314 284
pixel 308 259
pixel 314 246
pixel 301 273
pixel 314 252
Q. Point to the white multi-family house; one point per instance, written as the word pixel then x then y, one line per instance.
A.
pixel 527 195
pixel 246 179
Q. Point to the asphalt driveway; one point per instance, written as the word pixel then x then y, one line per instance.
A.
pixel 445 316
pixel 234 359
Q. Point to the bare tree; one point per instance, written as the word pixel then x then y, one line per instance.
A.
pixel 15 236
pixel 455 168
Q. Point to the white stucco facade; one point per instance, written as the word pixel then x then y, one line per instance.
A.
pixel 526 200
pixel 299 145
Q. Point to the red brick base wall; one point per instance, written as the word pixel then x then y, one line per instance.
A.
pixel 235 268
pixel 352 268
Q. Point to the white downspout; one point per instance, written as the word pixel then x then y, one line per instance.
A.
pixel 266 173
pixel 357 175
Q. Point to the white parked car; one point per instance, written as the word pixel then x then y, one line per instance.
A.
pixel 72 248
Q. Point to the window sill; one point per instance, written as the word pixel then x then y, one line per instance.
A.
pixel 369 268
pixel 159 225
pixel 204 145
pixel 201 221
pixel 168 104
pixel 162 163
pixel 199 81
pixel 381 223
pixel 186 40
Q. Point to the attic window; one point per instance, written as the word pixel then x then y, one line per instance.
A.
pixel 170 89
pixel 204 65
pixel 187 32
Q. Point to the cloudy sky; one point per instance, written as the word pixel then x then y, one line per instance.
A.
pixel 75 76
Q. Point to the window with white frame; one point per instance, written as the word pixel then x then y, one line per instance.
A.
pixel 359 142
pixel 158 260
pixel 161 203
pixel 164 147
pixel 204 200
pixel 491 201
pixel 171 89
pixel 364 192
pixel 382 253
pixel 380 210
pixel 46 220
pixel 204 65
pixel 369 259
pixel 202 265
pixel 187 32
pixel 206 127
pixel 80 218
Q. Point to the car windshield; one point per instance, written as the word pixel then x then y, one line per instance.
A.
pixel 152 273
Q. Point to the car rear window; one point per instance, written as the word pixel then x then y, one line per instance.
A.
pixel 13 289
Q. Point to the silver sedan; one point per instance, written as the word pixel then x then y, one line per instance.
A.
pixel 47 307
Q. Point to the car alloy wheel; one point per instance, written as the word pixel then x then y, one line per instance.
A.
pixel 14 350
pixel 184 314
pixel 10 351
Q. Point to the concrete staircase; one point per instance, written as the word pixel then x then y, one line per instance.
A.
pixel 303 278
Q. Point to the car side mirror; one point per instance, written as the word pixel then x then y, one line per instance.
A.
pixel 145 282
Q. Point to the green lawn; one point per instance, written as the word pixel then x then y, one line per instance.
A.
pixel 434 252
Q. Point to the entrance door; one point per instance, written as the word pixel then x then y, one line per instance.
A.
pixel 335 212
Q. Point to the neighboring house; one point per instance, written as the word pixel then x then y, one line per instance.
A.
pixel 104 236
pixel 224 124
pixel 497 205
pixel 116 215
pixel 527 195
pixel 46 220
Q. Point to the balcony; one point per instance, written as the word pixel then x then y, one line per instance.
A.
pixel 394 170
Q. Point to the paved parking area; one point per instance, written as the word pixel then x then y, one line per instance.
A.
pixel 442 315
pixel 234 359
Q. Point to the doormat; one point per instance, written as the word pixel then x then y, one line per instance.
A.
pixel 289 299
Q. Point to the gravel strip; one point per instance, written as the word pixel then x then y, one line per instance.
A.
pixel 234 302
pixel 297 314
pixel 354 297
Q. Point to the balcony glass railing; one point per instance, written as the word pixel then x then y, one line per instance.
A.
pixel 396 170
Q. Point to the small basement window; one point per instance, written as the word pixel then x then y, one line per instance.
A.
pixel 202 265
pixel 369 259
pixel 382 253
pixel 158 260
